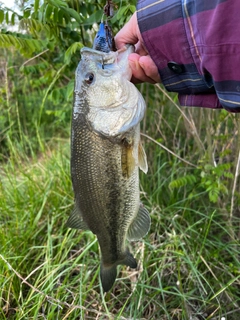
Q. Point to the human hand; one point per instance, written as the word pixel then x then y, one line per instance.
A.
pixel 142 65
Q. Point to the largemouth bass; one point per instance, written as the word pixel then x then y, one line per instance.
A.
pixel 106 155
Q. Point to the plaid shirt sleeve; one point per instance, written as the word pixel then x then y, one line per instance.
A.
pixel 196 47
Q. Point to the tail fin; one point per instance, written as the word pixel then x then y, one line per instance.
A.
pixel 108 274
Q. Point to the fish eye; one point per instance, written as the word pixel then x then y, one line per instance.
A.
pixel 89 77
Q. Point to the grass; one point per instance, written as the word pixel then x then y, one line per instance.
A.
pixel 188 263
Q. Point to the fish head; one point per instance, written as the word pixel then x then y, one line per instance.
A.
pixel 103 92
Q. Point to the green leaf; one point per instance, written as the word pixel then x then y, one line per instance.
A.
pixel 36 5
pixel 95 17
pixel 70 88
pixel 74 14
pixel 132 8
pixel 7 17
pixel 182 181
pixel 1 16
pixel 228 175
pixel 121 11
pixel 26 46
pixel 58 3
pixel 66 16
pixel 213 195
pixel 56 15
pixel 71 50
pixel 26 13
pixel 48 12
pixel 59 17
pixel 13 19
pixel 208 167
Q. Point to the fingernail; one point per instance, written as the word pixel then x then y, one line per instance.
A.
pixel 133 64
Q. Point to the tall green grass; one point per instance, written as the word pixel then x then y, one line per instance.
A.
pixel 188 263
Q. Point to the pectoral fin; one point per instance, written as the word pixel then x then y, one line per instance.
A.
pixel 75 221
pixel 140 225
pixel 142 158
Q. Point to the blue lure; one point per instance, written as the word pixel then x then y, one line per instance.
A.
pixel 104 40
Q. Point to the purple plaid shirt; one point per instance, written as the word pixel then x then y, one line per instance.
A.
pixel 196 47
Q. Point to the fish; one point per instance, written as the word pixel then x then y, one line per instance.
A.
pixel 104 40
pixel 106 154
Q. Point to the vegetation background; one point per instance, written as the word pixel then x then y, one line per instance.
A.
pixel 188 263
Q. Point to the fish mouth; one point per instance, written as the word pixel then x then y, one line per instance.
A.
pixel 106 57
pixel 99 56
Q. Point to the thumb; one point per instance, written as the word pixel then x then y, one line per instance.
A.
pixel 129 34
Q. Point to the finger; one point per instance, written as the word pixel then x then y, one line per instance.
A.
pixel 138 73
pixel 128 34
pixel 149 68
pixel 140 49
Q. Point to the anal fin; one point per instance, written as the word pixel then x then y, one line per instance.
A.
pixel 75 221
